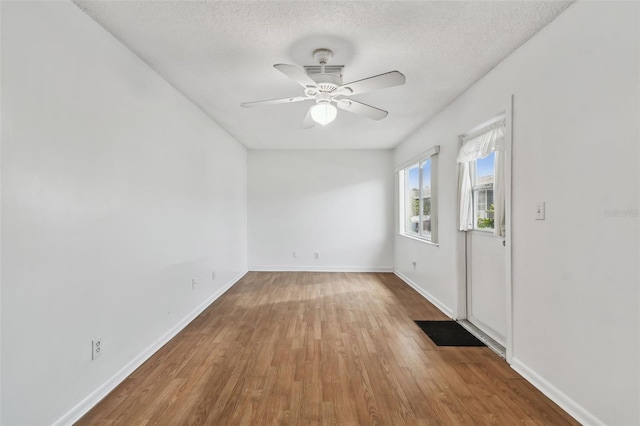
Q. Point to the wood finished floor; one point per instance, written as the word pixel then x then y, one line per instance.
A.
pixel 321 348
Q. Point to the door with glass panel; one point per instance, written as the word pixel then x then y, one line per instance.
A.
pixel 486 284
pixel 482 212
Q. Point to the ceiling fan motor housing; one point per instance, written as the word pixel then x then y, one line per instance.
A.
pixel 327 82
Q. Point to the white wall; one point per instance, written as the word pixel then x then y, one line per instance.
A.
pixel 336 203
pixel 116 192
pixel 0 214
pixel 576 325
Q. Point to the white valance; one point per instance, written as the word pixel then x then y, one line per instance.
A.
pixel 482 145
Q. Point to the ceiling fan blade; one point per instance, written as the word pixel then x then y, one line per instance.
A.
pixel 274 101
pixel 308 122
pixel 382 81
pixel 296 74
pixel 361 109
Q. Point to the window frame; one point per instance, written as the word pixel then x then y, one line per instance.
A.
pixel 401 173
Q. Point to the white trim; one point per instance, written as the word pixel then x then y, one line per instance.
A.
pixel 399 210
pixel 435 201
pixel 434 300
pixel 434 150
pixel 289 268
pixel 485 232
pixel 103 390
pixel 508 141
pixel 572 408
pixel 417 238
pixel 461 267
pixel 494 123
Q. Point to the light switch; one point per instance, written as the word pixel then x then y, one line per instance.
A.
pixel 540 210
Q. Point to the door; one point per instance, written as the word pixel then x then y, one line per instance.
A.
pixel 484 200
pixel 486 253
pixel 486 284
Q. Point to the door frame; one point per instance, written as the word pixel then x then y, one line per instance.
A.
pixel 461 311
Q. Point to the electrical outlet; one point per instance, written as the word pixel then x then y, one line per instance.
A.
pixel 193 284
pixel 316 255
pixel 96 348
pixel 414 264
pixel 295 255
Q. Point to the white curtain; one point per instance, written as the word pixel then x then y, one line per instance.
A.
pixel 476 148
pixel 465 191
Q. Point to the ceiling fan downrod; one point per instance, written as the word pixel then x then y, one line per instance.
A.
pixel 322 56
pixel 327 82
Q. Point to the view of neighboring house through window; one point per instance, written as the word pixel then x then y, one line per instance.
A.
pixel 412 200
pixel 483 193
pixel 417 203
pixel 482 159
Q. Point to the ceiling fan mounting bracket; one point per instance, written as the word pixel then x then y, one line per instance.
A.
pixel 323 56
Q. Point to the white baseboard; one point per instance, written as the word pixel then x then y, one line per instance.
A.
pixel 103 390
pixel 279 268
pixel 574 409
pixel 438 304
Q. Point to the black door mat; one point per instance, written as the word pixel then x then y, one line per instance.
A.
pixel 448 333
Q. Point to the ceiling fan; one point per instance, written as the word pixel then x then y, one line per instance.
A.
pixel 324 85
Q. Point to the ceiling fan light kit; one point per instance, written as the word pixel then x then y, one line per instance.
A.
pixel 324 85
pixel 323 113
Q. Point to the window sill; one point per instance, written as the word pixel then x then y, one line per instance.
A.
pixel 482 230
pixel 421 240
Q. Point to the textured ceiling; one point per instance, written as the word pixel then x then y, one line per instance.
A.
pixel 220 54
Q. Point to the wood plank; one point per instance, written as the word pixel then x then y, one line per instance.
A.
pixel 309 348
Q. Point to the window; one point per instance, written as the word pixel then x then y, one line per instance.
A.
pixel 417 197
pixel 484 209
pixel 483 158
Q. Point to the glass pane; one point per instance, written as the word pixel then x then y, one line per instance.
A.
pixel 425 199
pixel 412 202
pixel 485 169
pixel 483 193
pixel 482 200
